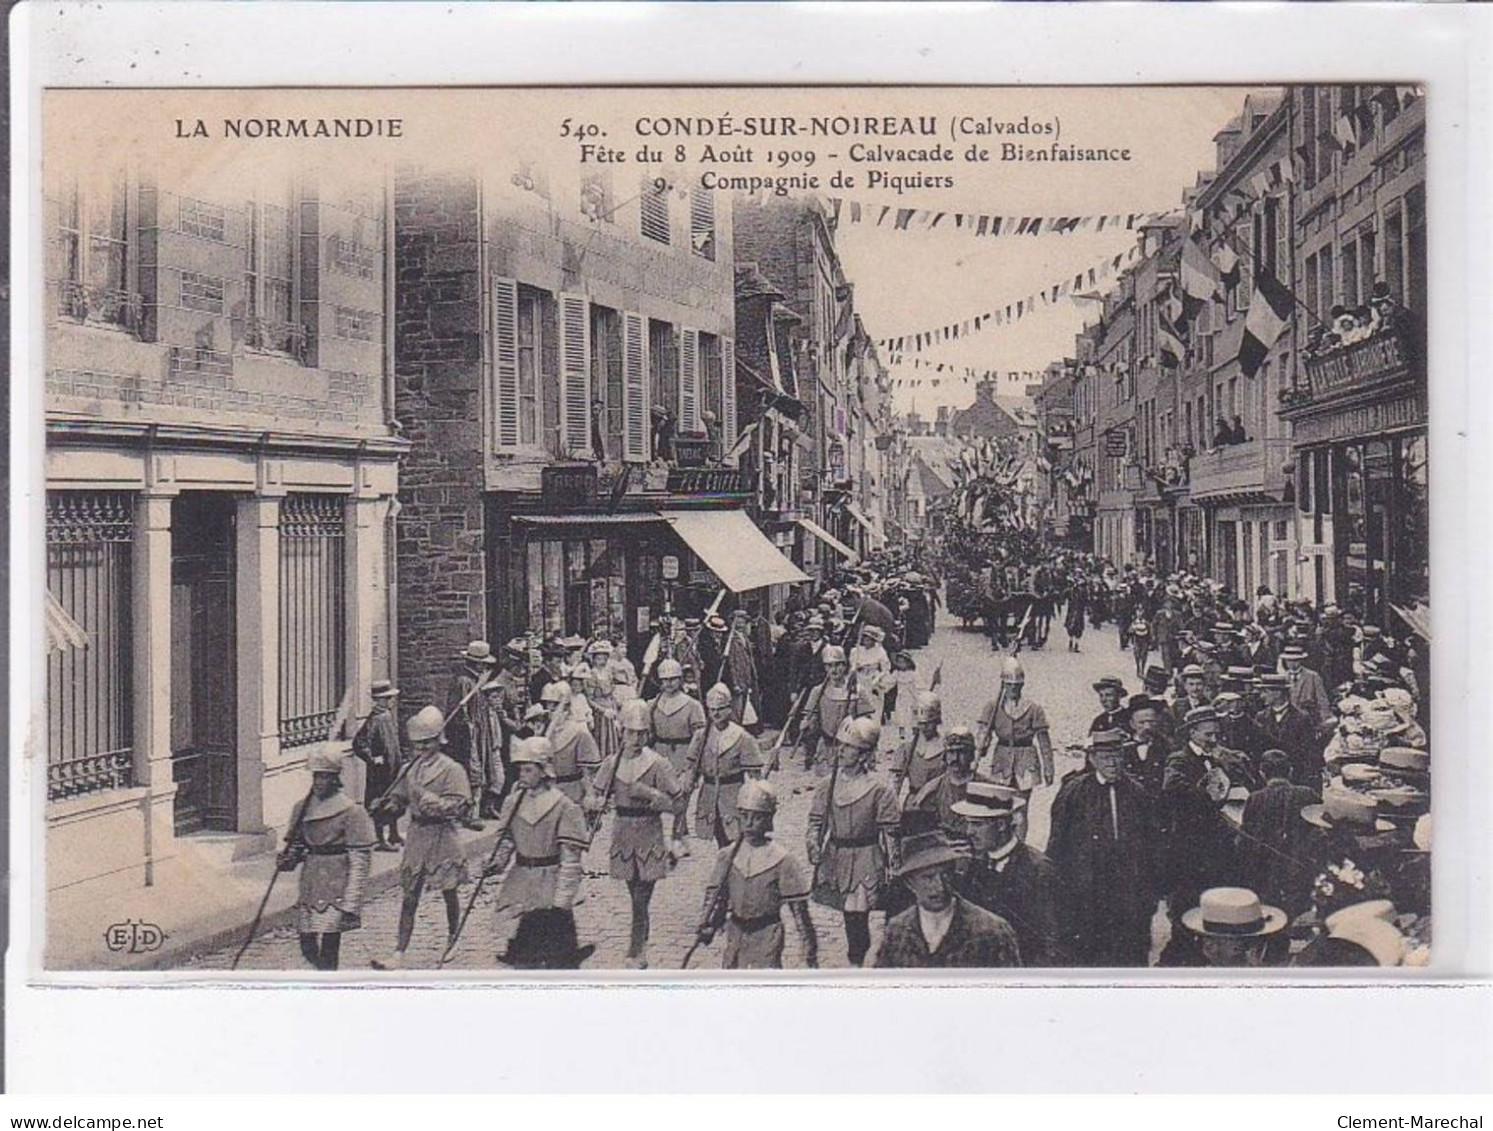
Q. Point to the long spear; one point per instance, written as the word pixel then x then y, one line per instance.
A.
pixel 716 901
pixel 518 796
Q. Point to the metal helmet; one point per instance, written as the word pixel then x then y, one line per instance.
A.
pixel 670 669
pixel 634 716
pixel 927 707
pixel 718 696
pixel 757 797
pixel 1012 671
pixel 425 724
pixel 959 738
pixel 832 654
pixel 859 734
pixel 538 751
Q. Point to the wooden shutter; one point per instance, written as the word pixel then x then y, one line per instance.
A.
pixel 728 394
pixel 634 388
pixel 505 399
pixel 689 381
pixel 575 374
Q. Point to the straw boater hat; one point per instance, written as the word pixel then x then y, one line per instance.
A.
pixel 1233 913
pixel 928 850
pixel 1110 683
pixel 1293 652
pixel 1345 810
pixel 383 689
pixel 478 652
pixel 1405 762
pixel 518 648
pixel 985 800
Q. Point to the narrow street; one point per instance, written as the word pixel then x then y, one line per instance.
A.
pixel 1056 678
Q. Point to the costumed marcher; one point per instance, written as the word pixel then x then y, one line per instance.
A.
pixel 544 837
pixel 718 765
pixel 1006 877
pixel 643 790
pixel 377 746
pixel 872 668
pixel 920 758
pixel 761 878
pixel 1014 746
pixel 436 793
pixel 943 929
pixel 1103 844
pixel 678 723
pixel 576 755
pixel 932 805
pixel 332 844
pixel 852 831
pixel 829 704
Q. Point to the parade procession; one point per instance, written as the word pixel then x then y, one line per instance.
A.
pixel 542 573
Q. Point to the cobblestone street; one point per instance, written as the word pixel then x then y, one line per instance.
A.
pixel 1056 678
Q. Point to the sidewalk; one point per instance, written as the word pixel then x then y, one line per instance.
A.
pixel 198 904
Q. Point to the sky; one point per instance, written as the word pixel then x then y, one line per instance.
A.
pixel 911 281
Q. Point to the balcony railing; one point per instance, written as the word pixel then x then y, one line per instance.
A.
pixel 291 338
pixel 125 309
pixel 1385 356
pixel 1251 468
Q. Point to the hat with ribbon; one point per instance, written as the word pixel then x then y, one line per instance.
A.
pixel 478 652
pixel 1233 913
pixel 383 689
pixel 928 850
pixel 1342 809
pixel 986 801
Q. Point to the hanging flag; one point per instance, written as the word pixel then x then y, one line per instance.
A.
pixel 1269 315
pixel 1227 263
pixel 855 212
pixel 904 217
pixel 1343 133
pixel 995 225
pixel 1199 276
pixel 1169 346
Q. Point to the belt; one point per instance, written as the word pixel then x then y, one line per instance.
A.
pixel 536 861
pixel 434 820
pixel 728 779
pixel 758 923
pixel 326 849
pixel 674 741
pixel 633 811
pixel 1015 745
pixel 856 841
pixel 566 779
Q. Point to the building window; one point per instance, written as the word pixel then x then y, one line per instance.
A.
pixel 313 616
pixel 702 223
pixel 1394 251
pixel 1324 138
pixel 201 219
pixel 654 206
pixel 597 203
pixel 1308 150
pixel 1350 274
pixel 1329 283
pixel 201 292
pixel 90 715
pixel 92 253
pixel 354 325
pixel 270 278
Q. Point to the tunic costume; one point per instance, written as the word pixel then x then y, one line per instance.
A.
pixel 678 721
pixel 851 873
pixel 720 764
pixel 337 836
pixel 918 761
pixel 541 826
pixel 827 707
pixel 763 878
pixel 377 746
pixel 436 794
pixel 1011 757
pixel 637 850
pixel 576 757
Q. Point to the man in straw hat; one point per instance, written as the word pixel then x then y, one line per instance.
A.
pixel 1307 691
pixel 1009 879
pixel 718 765
pixel 544 837
pixel 377 746
pixel 761 878
pixel 332 844
pixel 436 794
pixel 1233 927
pixel 474 732
pixel 942 930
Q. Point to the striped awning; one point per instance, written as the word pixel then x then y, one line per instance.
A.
pixel 63 633
pixel 829 540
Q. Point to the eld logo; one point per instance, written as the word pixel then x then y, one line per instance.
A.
pixel 134 937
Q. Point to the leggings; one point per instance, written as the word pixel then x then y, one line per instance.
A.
pixel 321 950
pixel 858 935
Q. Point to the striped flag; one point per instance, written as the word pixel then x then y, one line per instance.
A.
pixel 1269 315
pixel 1199 275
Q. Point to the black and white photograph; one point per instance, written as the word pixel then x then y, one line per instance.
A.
pixel 542 533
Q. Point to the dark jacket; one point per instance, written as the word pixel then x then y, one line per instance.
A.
pixel 1295 733
pixel 976 940
pixel 1024 894
pixel 1200 841
pixel 1152 771
pixel 1274 846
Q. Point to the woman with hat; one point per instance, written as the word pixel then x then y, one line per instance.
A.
pixel 943 930
pixel 719 765
pixel 435 793
pixel 853 823
pixel 377 746
pixel 642 789
pixel 761 878
pixel 873 671
pixel 1013 739
pixel 544 837
pixel 1233 927
pixel 331 841
pixel 678 723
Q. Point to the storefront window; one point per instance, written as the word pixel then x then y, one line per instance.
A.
pixel 1411 581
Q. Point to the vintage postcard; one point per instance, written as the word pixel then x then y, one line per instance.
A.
pixel 550 532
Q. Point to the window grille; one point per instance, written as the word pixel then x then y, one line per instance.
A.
pixel 313 616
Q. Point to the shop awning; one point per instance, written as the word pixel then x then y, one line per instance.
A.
pixel 734 549
pixel 580 518
pixel 876 536
pixel 63 633
pixel 829 540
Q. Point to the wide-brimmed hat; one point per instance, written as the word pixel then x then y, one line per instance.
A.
pixel 1106 740
pixel 928 850
pixel 572 642
pixel 478 652
pixel 1405 761
pixel 1293 652
pixel 1110 683
pixel 1382 939
pixel 1345 810
pixel 383 689
pixel 1274 681
pixel 1203 714
pixel 1233 913
pixel 715 623
pixel 872 631
pixel 985 800
pixel 1239 674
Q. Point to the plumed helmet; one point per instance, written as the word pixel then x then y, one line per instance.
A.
pixel 757 797
pixel 718 696
pixel 1012 671
pixel 928 707
pixel 671 669
pixel 859 733
pixel 538 751
pixel 634 715
pixel 832 654
pixel 425 724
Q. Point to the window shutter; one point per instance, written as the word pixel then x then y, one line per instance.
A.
pixel 689 381
pixel 635 420
pixel 728 394
pixel 505 365
pixel 575 374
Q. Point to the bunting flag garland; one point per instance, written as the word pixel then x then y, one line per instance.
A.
pixel 1013 312
pixel 927 219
